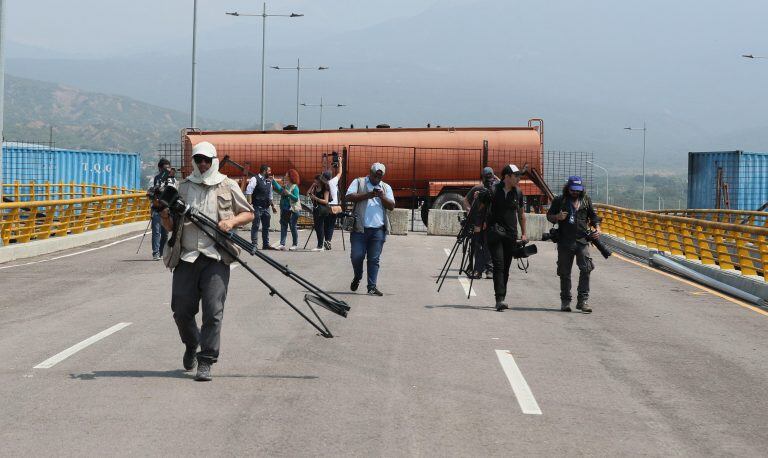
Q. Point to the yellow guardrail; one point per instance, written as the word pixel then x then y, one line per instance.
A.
pixel 31 190
pixel 749 218
pixel 738 247
pixel 21 222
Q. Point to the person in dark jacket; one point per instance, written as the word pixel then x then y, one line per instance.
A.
pixel 260 190
pixel 506 211
pixel 574 214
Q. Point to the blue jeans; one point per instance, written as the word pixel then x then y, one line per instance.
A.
pixel 288 218
pixel 159 235
pixel 367 244
pixel 261 216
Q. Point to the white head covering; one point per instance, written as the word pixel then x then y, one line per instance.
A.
pixel 211 177
pixel 378 167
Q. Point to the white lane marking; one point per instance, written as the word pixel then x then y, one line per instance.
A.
pixel 55 359
pixel 465 284
pixel 233 266
pixel 447 251
pixel 73 254
pixel 522 391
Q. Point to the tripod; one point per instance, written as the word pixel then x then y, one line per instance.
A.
pixel 316 295
pixel 463 243
pixel 341 226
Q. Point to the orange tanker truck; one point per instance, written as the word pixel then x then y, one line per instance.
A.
pixel 426 167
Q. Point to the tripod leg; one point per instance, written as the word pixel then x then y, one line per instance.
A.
pixel 310 236
pixel 145 234
pixel 448 262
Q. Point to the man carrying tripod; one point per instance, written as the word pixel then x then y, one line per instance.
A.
pixel 200 269
pixel 573 213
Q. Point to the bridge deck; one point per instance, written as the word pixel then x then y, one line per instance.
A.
pixel 662 367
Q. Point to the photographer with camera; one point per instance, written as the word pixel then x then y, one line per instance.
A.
pixel 200 269
pixel 260 190
pixel 165 177
pixel 372 198
pixel 332 174
pixel 507 208
pixel 320 196
pixel 574 215
pixel 482 261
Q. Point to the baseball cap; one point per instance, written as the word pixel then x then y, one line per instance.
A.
pixel 487 172
pixel 204 149
pixel 575 184
pixel 510 169
pixel 378 167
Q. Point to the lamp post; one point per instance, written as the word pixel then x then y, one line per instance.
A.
pixel 193 110
pixel 264 17
pixel 606 178
pixel 298 69
pixel 644 129
pixel 321 105
pixel 2 92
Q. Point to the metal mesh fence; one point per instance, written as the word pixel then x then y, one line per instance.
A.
pixel 418 175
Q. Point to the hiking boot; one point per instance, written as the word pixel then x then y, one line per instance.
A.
pixel 203 372
pixel 189 359
pixel 355 284
pixel 374 292
pixel 500 304
pixel 565 306
pixel 583 306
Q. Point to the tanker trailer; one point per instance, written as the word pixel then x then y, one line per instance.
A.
pixel 426 167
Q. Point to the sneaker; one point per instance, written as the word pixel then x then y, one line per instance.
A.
pixel 327 245
pixel 294 248
pixel 156 257
pixel 489 275
pixel 565 306
pixel 203 372
pixel 500 305
pixel 374 292
pixel 189 359
pixel 355 284
pixel 280 247
pixel 584 307
pixel 319 248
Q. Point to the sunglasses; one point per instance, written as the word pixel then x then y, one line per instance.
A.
pixel 198 159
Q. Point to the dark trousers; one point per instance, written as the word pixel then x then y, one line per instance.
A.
pixel 319 221
pixel 159 235
pixel 330 225
pixel 368 244
pixel 262 217
pixel 565 256
pixel 501 250
pixel 204 281
pixel 482 261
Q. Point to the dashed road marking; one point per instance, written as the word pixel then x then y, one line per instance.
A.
pixel 465 284
pixel 59 357
pixel 522 391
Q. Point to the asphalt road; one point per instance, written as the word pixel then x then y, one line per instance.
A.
pixel 660 368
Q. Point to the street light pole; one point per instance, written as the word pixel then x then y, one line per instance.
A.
pixel 2 92
pixel 606 178
pixel 264 17
pixel 322 105
pixel 644 129
pixel 298 69
pixel 193 110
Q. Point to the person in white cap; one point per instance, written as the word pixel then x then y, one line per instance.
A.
pixel 372 198
pixel 507 210
pixel 200 269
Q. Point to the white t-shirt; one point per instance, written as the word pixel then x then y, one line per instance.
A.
pixel 333 183
pixel 374 213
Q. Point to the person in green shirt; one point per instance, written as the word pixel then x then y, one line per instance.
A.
pixel 290 206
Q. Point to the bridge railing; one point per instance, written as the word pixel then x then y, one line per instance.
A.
pixel 22 222
pixel 33 191
pixel 744 217
pixel 738 247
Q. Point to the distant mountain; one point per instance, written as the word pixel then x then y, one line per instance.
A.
pixel 90 120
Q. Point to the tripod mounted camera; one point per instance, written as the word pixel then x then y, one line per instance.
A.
pixel 170 198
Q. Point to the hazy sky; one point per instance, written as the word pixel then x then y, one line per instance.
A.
pixel 589 67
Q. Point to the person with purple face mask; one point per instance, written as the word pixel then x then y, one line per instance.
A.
pixel 574 214
pixel 372 198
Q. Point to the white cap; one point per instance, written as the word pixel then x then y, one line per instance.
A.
pixel 514 168
pixel 378 166
pixel 204 149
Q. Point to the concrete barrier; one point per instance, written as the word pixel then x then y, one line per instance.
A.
pixel 398 220
pixel 446 222
pixel 14 251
